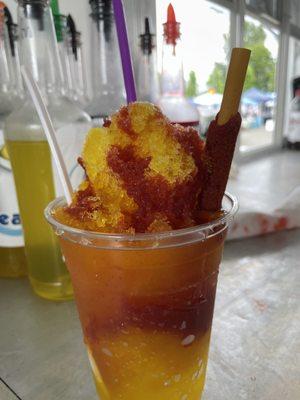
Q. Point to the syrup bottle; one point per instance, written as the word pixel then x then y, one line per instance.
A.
pixel 147 82
pixel 172 101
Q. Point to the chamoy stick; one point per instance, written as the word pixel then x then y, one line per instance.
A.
pixel 223 132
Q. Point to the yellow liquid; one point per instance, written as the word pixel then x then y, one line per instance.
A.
pixel 31 164
pixel 12 262
pixel 150 366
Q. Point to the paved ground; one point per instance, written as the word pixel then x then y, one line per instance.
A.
pixel 257 137
pixel 265 183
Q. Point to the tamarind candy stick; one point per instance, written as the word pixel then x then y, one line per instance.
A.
pixel 234 84
pixel 222 133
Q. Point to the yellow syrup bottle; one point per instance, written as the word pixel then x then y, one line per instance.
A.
pixel 34 174
pixel 12 257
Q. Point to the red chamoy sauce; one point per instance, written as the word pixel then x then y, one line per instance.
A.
pixel 149 182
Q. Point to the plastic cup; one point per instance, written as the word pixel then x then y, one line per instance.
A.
pixel 146 304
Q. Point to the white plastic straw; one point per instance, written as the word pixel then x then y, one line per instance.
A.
pixel 47 125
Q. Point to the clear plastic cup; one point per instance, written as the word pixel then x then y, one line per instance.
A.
pixel 146 304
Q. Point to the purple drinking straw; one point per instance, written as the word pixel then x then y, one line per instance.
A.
pixel 124 51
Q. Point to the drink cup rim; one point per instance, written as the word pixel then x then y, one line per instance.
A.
pixel 141 241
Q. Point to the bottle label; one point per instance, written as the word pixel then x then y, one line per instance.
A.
pixel 10 224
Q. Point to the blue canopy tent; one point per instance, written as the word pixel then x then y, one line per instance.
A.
pixel 258 96
pixel 248 102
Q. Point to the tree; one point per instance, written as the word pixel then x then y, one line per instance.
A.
pixel 217 77
pixel 192 86
pixel 261 70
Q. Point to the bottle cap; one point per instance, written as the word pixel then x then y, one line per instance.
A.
pixel 11 28
pixel 102 11
pixel 60 23
pixel 32 2
pixel 75 36
pixel 55 7
pixel 35 9
pixel 171 27
pixel 2 18
pixel 59 20
pixel 147 39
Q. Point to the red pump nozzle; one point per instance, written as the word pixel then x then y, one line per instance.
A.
pixel 171 14
pixel 171 27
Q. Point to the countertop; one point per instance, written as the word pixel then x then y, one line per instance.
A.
pixel 255 343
